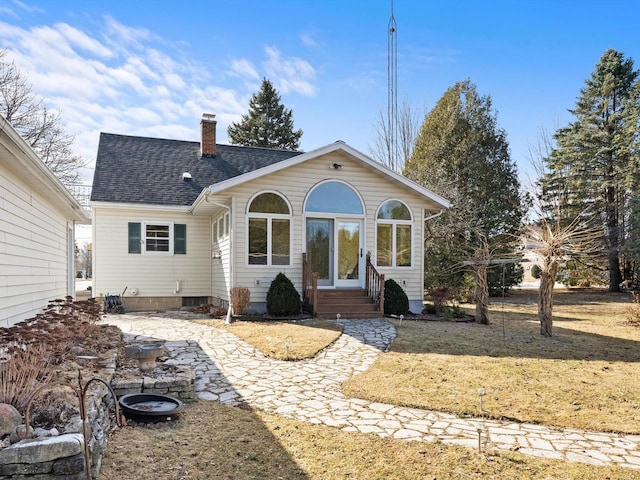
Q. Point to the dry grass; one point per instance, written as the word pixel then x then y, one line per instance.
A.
pixel 584 377
pixel 212 441
pixel 284 340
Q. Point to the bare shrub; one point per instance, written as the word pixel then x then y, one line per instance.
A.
pixel 22 373
pixel 440 298
pixel 240 299
pixel 632 312
pixel 62 324
pixel 217 311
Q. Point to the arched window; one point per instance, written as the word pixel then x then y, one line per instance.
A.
pixel 394 226
pixel 269 230
pixel 334 197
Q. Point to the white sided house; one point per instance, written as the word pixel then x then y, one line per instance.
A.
pixel 180 223
pixel 37 220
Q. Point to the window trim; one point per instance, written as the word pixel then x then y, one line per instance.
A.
pixel 143 237
pixel 269 217
pixel 394 235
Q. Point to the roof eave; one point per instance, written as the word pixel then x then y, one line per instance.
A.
pixel 33 170
pixel 140 206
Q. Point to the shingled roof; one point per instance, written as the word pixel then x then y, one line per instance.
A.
pixel 149 170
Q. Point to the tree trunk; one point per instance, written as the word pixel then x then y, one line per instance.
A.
pixel 613 237
pixel 545 296
pixel 481 295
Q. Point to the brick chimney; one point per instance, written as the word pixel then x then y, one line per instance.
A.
pixel 208 135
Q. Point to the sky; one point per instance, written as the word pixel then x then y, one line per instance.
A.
pixel 151 68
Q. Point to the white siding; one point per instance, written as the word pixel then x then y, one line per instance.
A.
pixel 34 252
pixel 294 183
pixel 151 275
pixel 220 267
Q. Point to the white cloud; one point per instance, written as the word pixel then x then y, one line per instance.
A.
pixel 122 37
pixel 290 75
pixel 244 68
pixel 21 6
pixel 308 39
pixel 80 39
pixel 120 79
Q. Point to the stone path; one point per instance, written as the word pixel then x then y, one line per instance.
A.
pixel 232 372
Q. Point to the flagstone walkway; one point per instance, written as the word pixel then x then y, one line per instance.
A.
pixel 232 372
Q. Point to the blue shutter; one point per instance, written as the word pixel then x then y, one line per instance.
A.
pixel 179 239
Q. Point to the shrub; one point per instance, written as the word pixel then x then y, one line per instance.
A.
pixel 536 271
pixel 633 311
pixel 396 301
pixel 217 311
pixel 22 372
pixel 282 298
pixel 429 308
pixel 240 299
pixel 440 298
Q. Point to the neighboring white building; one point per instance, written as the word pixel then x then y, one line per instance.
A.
pixel 37 220
pixel 180 223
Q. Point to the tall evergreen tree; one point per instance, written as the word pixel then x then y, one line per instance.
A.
pixel 268 124
pixel 594 162
pixel 462 154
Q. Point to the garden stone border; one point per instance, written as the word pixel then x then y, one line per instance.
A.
pixel 62 456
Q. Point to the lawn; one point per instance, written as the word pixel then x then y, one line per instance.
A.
pixel 584 377
pixel 213 441
pixel 294 340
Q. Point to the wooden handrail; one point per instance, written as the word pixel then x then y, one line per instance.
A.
pixel 374 283
pixel 309 287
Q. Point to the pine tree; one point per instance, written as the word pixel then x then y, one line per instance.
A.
pixel 462 154
pixel 594 162
pixel 268 124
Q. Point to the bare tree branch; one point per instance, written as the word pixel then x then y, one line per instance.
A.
pixel 40 128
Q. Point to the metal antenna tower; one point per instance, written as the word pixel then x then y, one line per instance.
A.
pixel 392 100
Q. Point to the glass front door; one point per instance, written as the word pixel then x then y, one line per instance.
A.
pixel 334 251
pixel 320 249
pixel 349 252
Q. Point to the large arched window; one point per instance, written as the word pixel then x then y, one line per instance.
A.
pixel 334 197
pixel 394 235
pixel 269 230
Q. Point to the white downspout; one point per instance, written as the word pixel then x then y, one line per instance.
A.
pixel 435 215
pixel 228 208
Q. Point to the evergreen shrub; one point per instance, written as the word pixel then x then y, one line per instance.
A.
pixel 396 301
pixel 536 271
pixel 282 298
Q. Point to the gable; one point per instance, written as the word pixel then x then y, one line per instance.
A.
pixel 335 161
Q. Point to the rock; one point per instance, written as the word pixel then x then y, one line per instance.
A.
pixel 74 425
pixel 44 432
pixel 10 418
pixel 43 450
pixel 20 433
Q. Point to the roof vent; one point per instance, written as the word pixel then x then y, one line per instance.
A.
pixel 186 176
